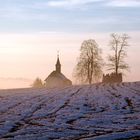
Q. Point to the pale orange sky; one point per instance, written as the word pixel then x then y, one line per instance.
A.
pixel 32 31
pixel 34 55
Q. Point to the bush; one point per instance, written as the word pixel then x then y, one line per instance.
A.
pixel 37 83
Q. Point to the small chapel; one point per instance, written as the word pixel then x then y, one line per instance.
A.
pixel 56 79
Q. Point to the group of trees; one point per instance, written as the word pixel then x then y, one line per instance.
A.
pixel 89 68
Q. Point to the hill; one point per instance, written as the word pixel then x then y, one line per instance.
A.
pixel 87 112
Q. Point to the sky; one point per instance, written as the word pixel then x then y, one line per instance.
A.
pixel 32 31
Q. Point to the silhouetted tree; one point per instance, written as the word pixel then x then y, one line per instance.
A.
pixel 118 44
pixel 37 83
pixel 89 66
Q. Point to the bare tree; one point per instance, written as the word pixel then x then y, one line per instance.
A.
pixel 89 66
pixel 118 44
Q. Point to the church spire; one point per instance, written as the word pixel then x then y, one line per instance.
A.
pixel 58 65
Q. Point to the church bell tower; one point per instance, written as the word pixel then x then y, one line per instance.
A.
pixel 58 65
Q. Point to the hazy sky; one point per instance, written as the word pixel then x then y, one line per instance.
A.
pixel 31 32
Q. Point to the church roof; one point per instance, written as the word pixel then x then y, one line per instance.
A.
pixel 56 75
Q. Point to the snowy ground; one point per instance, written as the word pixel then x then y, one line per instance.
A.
pixel 100 112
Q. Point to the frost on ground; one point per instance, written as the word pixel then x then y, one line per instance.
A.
pixel 100 112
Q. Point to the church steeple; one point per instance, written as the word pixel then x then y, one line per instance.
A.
pixel 58 65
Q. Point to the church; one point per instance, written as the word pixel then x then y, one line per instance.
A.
pixel 56 79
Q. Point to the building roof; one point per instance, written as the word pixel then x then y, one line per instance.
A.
pixel 57 80
pixel 56 74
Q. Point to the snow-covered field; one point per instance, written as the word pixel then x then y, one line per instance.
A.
pixel 100 112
